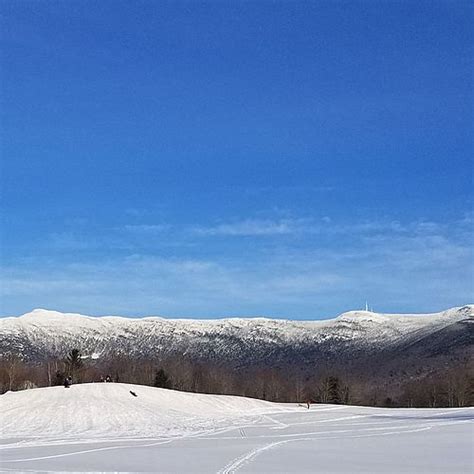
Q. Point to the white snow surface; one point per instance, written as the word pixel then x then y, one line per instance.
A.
pixel 103 427
pixel 103 409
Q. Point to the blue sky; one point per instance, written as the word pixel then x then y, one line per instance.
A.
pixel 289 159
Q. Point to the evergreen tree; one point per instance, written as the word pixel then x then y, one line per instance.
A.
pixel 161 379
pixel 334 395
pixel 74 362
pixel 330 391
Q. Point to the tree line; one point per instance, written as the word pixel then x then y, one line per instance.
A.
pixel 451 386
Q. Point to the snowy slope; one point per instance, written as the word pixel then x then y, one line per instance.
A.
pixel 102 427
pixel 100 410
pixel 44 333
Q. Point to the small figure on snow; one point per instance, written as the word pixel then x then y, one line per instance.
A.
pixel 108 378
pixel 67 382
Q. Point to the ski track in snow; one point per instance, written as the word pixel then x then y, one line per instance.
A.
pixel 146 445
pixel 237 463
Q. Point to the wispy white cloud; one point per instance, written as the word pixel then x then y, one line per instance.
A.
pixel 253 227
pixel 189 287
pixel 147 228
pixel 414 266
pixel 301 225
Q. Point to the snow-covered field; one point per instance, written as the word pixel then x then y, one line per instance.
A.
pixel 103 427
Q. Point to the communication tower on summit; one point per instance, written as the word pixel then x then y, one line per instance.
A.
pixel 368 308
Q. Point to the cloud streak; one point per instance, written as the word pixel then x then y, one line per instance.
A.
pixel 252 227
pixel 305 225
pixel 415 266
pixel 425 268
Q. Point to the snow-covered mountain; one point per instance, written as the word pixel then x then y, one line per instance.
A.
pixel 237 341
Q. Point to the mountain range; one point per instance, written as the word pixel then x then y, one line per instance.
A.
pixel 351 339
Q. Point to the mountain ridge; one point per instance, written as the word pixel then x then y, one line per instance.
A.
pixel 42 312
pixel 43 334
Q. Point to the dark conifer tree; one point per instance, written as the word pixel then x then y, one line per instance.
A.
pixel 334 395
pixel 74 362
pixel 161 379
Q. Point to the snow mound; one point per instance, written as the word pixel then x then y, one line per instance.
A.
pixel 98 410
